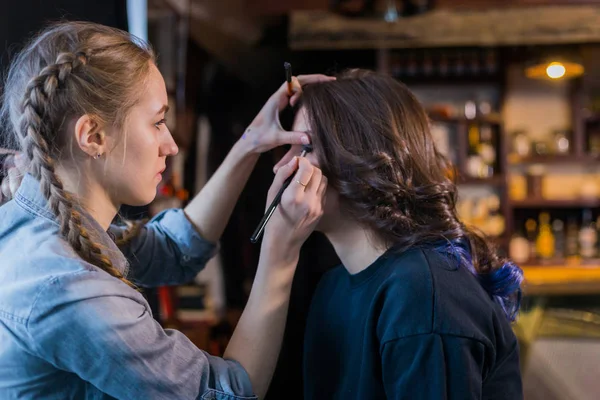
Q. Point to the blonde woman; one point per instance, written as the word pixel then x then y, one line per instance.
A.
pixel 88 107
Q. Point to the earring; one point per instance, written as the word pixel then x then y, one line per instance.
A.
pixel 97 156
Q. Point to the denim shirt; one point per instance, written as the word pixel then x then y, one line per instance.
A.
pixel 69 330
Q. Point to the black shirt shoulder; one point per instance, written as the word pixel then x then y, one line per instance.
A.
pixel 417 317
pixel 423 291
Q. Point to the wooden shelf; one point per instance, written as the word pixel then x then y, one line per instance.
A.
pixel 564 262
pixel 492 119
pixel 561 280
pixel 501 241
pixel 554 159
pixel 448 80
pixel 495 180
pixel 545 203
pixel 592 119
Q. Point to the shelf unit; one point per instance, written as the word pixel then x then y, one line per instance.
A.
pixel 469 80
pixel 545 203
pixel 496 180
pixel 554 159
pixel 579 148
pixel 491 120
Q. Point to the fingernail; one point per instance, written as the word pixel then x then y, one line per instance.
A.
pixel 293 161
pixel 275 169
pixel 305 140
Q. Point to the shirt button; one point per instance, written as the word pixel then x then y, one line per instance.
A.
pixel 186 258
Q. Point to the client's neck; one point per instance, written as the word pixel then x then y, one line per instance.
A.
pixel 355 247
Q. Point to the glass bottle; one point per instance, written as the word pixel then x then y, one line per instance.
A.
pixel 530 229
pixel 571 238
pixel 544 243
pixel 558 229
pixel 587 235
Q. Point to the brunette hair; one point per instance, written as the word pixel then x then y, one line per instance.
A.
pixel 373 142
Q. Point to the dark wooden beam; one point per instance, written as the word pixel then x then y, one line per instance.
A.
pixel 228 36
pixel 447 28
pixel 473 4
pixel 279 7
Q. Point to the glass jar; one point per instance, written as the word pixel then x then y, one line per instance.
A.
pixel 561 141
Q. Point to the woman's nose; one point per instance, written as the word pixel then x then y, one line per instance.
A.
pixel 168 147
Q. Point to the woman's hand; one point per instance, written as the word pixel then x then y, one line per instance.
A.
pixel 256 342
pixel 265 131
pixel 300 209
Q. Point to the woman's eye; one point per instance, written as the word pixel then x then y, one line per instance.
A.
pixel 159 123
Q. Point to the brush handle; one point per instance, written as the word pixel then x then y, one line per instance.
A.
pixel 263 222
pixel 288 77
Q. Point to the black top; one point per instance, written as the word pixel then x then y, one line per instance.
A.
pixel 410 326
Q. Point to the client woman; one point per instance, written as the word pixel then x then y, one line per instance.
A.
pixel 421 306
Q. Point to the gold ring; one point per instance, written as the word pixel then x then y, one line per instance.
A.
pixel 303 184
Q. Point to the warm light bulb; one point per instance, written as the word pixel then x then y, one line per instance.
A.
pixel 556 70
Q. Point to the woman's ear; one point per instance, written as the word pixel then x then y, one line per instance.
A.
pixel 89 136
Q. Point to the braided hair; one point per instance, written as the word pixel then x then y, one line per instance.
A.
pixel 66 71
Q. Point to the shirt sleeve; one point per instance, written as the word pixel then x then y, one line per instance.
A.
pixel 102 331
pixel 167 251
pixel 431 366
pixel 505 381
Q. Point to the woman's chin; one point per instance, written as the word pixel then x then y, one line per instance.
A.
pixel 141 200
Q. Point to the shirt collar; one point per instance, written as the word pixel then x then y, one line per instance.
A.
pixel 30 194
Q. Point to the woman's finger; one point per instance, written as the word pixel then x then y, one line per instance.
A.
pixel 297 92
pixel 291 137
pixel 302 178
pixel 322 186
pixel 314 78
pixel 297 83
pixel 305 80
pixel 282 174
pixel 315 181
pixel 293 151
pixel 282 95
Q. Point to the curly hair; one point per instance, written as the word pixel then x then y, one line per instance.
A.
pixel 373 142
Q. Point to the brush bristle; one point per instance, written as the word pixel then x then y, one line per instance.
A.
pixel 307 147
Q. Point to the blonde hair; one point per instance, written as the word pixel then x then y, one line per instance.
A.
pixel 69 70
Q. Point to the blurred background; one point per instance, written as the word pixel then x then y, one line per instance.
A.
pixel 513 91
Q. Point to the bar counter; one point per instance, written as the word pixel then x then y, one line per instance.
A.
pixel 549 280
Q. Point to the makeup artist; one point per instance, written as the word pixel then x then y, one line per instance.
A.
pixel 72 324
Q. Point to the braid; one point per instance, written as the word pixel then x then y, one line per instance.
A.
pixel 40 93
pixel 133 230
